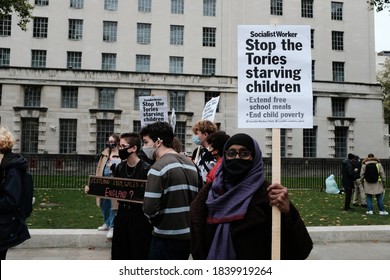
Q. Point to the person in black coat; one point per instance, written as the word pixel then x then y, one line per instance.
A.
pixel 13 229
pixel 348 180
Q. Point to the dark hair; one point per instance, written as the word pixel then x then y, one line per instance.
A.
pixel 217 140
pixel 351 156
pixel 159 130
pixel 133 139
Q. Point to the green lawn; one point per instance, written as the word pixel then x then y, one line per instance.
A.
pixel 72 208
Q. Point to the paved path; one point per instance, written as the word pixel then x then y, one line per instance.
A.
pixel 321 251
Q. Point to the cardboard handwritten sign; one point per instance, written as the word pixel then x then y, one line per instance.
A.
pixel 117 188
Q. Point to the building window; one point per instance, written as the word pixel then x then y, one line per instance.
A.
pixel 142 63
pixel 5 25
pixel 337 11
pixel 338 71
pixel 40 27
pixel 111 5
pixel 74 60
pixel 177 35
pixel 338 107
pixel 32 96
pixel 277 7
pixel 137 94
pixel 209 36
pixel 314 105
pixel 38 58
pixel 29 135
pixel 106 98
pixel 209 8
pixel 77 4
pixel 75 31
pixel 208 95
pixel 136 126
pixel 208 66
pixel 180 132
pixel 68 136
pixel 104 128
pixel 177 6
pixel 307 8
pixel 69 97
pixel 340 141
pixel 310 142
pixel 109 61
pixel 5 55
pixel 145 6
pixel 143 33
pixel 283 142
pixel 313 70
pixel 177 100
pixel 176 64
pixel 312 38
pixel 337 40
pixel 109 31
pixel 42 2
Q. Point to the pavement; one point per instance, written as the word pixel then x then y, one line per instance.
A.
pixel 330 243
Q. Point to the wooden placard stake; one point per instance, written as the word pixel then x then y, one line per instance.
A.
pixel 275 249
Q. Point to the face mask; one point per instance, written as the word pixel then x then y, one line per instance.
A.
pixel 196 140
pixel 236 169
pixel 149 152
pixel 111 145
pixel 124 154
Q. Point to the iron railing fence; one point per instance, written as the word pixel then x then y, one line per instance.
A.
pixel 72 171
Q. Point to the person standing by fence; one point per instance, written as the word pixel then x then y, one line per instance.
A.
pixel 13 230
pixel 373 184
pixel 348 180
pixel 109 155
pixel 358 192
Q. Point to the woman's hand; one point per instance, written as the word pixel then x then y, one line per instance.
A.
pixel 278 196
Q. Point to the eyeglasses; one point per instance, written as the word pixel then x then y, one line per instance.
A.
pixel 244 154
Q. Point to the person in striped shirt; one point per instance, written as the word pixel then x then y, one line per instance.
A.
pixel 172 185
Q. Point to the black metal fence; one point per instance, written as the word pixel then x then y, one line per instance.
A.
pixel 72 171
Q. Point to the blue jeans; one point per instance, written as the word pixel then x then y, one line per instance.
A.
pixel 379 201
pixel 108 213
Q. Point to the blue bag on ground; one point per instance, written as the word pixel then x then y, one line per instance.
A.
pixel 331 185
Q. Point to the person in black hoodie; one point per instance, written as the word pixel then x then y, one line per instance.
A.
pixel 13 229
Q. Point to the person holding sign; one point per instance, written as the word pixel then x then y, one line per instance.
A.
pixel 231 218
pixel 201 156
pixel 133 232
pixel 108 156
pixel 173 183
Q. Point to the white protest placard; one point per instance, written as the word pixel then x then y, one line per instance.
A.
pixel 274 76
pixel 153 109
pixel 210 109
pixel 173 119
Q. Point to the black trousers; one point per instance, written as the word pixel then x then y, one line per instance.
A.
pixel 348 197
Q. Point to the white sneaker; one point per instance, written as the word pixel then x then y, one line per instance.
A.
pixel 369 212
pixel 110 233
pixel 383 213
pixel 103 227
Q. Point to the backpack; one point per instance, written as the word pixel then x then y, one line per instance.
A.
pixel 371 174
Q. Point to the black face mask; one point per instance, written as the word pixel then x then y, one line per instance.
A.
pixel 111 145
pixel 236 169
pixel 124 154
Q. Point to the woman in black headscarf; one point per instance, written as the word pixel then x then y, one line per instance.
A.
pixel 231 218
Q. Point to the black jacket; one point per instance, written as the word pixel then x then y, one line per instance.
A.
pixel 13 230
pixel 252 235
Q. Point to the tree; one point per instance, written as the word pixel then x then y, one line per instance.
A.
pixel 379 5
pixel 22 7
pixel 383 78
